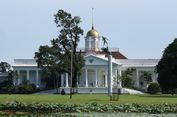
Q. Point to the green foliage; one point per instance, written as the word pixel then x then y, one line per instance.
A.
pixel 88 107
pixel 26 89
pixel 167 67
pixel 127 78
pixel 174 91
pixel 147 76
pixel 20 89
pixel 6 68
pixel 127 82
pixel 56 59
pixel 4 84
pixel 106 50
pixel 105 47
pixel 153 88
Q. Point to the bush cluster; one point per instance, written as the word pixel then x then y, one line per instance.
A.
pixel 88 107
pixel 5 83
pixel 153 88
pixel 20 89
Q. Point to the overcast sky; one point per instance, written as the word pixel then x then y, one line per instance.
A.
pixel 139 28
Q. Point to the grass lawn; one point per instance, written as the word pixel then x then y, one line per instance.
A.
pixel 83 98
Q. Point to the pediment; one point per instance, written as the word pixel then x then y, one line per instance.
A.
pixel 95 60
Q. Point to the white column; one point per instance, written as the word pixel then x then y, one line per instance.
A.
pixel 154 76
pixel 96 78
pixel 28 75
pixel 115 79
pixel 18 81
pixel 62 80
pixel 86 77
pixel 120 75
pixel 110 75
pixel 106 78
pixel 66 80
pixel 37 78
pixel 137 78
pixel 14 79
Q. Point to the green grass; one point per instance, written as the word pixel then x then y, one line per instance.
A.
pixel 84 98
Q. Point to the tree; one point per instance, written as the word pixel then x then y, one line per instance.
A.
pixel 146 76
pixel 57 57
pixel 167 68
pixel 127 78
pixel 105 45
pixel 6 68
pixel 49 61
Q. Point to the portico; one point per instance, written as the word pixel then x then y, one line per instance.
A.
pixel 27 72
pixel 27 76
pixel 95 72
pixel 94 77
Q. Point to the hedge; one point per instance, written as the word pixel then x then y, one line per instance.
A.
pixel 88 107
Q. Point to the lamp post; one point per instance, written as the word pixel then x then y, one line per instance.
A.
pixel 71 70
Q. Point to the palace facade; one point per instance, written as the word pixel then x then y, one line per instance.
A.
pixel 95 72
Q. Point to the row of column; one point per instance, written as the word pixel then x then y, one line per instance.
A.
pixel 28 77
pixel 19 79
pixel 137 82
pixel 65 80
pixel 119 73
pixel 96 78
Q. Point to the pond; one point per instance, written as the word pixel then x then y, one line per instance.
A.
pixel 92 115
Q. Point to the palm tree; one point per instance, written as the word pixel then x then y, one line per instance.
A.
pixel 105 41
pixel 105 44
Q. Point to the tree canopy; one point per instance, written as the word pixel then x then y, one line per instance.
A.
pixel 6 68
pixel 167 68
pixel 56 59
pixel 146 76
pixel 127 78
pixel 105 47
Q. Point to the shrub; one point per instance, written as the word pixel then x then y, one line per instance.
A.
pixel 20 89
pixel 5 84
pixel 26 88
pixel 172 91
pixel 9 89
pixel 153 88
pixel 175 91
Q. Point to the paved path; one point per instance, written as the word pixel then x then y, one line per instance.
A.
pixel 91 90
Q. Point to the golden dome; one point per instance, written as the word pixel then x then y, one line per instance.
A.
pixel 93 33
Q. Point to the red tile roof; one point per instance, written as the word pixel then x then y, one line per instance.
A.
pixel 115 54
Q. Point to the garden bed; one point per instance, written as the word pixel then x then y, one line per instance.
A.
pixel 88 108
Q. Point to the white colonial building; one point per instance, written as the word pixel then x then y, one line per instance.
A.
pixel 94 74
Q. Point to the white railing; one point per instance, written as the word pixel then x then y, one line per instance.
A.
pixel 110 49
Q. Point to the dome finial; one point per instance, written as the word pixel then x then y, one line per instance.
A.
pixel 92 27
pixel 93 33
pixel 92 19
